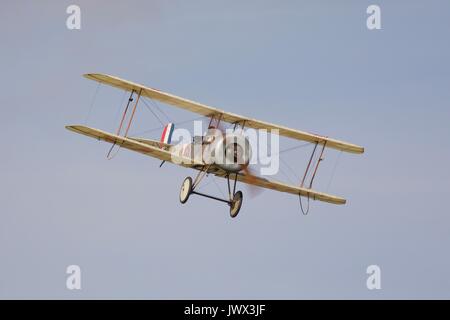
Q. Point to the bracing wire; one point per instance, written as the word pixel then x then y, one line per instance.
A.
pixel 154 114
pixel 286 176
pixel 223 194
pixel 160 110
pixel 334 170
pixel 205 184
pixel 159 128
pixel 290 169
pixel 212 180
pixel 295 147
pixel 120 105
pixel 92 103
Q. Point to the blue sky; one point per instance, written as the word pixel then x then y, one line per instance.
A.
pixel 310 65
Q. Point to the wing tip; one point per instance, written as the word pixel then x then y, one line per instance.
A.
pixel 336 200
pixel 88 75
pixel 72 126
pixel 96 76
pixel 75 128
pixel 355 149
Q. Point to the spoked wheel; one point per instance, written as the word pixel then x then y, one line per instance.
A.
pixel 186 190
pixel 236 203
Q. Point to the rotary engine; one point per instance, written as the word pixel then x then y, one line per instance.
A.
pixel 232 152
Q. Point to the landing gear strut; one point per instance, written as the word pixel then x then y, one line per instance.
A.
pixel 234 201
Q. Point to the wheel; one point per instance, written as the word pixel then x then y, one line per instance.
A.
pixel 186 190
pixel 236 204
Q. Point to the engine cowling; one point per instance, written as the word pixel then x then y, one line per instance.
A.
pixel 232 152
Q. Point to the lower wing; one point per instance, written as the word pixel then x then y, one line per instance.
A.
pixel 135 144
pixel 151 148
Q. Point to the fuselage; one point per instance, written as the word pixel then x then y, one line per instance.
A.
pixel 229 151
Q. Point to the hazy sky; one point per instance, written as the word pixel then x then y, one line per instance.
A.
pixel 310 65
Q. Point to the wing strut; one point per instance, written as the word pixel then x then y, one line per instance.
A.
pixel 130 99
pixel 309 164
pixel 214 122
pixel 317 164
pixel 132 114
pixel 305 212
pixel 119 130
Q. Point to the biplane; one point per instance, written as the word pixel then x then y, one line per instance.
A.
pixel 235 167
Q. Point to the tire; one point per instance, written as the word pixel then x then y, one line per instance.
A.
pixel 186 190
pixel 236 204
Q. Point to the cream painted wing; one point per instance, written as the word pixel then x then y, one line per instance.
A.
pixel 150 148
pixel 138 145
pixel 205 110
pixel 283 187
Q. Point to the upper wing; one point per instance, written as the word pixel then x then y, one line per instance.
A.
pixel 226 116
pixel 134 145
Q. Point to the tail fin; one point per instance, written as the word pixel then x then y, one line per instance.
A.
pixel 166 136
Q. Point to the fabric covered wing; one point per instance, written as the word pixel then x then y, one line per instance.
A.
pixel 145 147
pixel 132 144
pixel 226 116
pixel 283 187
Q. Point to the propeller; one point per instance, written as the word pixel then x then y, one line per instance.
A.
pixel 250 174
pixel 253 190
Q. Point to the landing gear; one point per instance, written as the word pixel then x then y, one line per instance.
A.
pixel 186 190
pixel 235 204
pixel 234 201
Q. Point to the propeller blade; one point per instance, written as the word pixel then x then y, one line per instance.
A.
pixel 253 190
